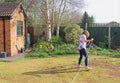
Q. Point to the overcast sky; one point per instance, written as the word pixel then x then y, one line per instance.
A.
pixel 103 10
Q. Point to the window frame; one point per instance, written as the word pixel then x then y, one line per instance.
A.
pixel 20 28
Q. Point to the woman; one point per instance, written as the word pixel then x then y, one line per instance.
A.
pixel 82 48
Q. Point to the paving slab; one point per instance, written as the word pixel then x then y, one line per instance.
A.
pixel 13 58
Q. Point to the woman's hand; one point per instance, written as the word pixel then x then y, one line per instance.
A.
pixel 92 39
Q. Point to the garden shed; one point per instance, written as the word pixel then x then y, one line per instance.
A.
pixel 12 28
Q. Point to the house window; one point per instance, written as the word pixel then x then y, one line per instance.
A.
pixel 19 28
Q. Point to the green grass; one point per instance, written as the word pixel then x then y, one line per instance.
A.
pixel 60 69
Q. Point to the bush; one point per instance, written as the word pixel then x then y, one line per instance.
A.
pixel 41 49
pixel 62 52
pixel 46 46
pixel 44 49
pixel 103 44
pixel 65 49
pixel 37 54
pixel 56 40
pixel 72 33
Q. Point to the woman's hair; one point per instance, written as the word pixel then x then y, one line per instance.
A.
pixel 86 33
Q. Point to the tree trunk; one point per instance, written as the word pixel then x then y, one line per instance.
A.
pixel 58 28
pixel 48 24
pixel 53 17
pixel 60 14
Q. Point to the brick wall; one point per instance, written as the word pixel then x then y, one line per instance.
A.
pixel 7 36
pixel 18 41
pixel 1 36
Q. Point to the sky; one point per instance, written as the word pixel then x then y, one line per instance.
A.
pixel 103 11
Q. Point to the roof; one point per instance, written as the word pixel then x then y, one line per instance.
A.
pixel 7 8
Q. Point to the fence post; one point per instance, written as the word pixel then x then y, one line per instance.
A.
pixel 86 26
pixel 109 37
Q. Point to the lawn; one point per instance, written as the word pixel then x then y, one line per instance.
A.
pixel 60 69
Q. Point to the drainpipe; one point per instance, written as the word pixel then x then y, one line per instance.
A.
pixel 4 38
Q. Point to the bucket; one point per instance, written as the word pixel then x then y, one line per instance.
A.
pixel 3 54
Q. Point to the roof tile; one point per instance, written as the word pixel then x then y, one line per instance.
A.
pixel 7 8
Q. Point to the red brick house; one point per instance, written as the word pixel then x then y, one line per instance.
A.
pixel 12 28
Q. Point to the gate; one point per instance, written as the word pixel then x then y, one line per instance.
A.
pixel 30 30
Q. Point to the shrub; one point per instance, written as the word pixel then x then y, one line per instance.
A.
pixel 103 44
pixel 46 46
pixel 44 49
pixel 56 40
pixel 37 54
pixel 41 49
pixel 72 33
pixel 65 49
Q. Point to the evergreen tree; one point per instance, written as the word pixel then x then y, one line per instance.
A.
pixel 86 19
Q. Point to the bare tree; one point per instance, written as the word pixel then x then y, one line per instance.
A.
pixel 62 7
pixel 53 11
pixel 48 24
pixel 68 7
pixel 53 16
